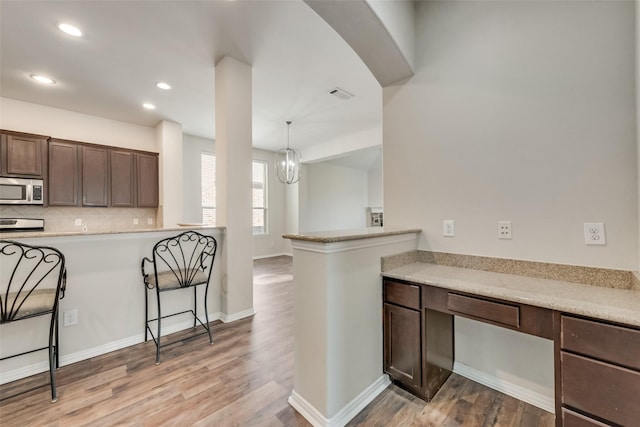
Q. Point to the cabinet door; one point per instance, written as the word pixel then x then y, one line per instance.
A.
pixel 95 176
pixel 147 180
pixel 63 174
pixel 122 178
pixel 402 345
pixel 24 155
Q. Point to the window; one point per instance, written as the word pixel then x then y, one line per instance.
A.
pixel 208 181
pixel 259 197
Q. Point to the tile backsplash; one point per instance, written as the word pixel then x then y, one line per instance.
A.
pixel 94 219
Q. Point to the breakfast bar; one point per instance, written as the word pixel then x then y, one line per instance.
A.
pixel 105 288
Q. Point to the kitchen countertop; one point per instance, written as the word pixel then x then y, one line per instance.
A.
pixel 615 305
pixel 346 235
pixel 35 234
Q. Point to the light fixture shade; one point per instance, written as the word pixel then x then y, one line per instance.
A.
pixel 288 163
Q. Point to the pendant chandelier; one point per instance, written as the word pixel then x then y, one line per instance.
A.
pixel 287 162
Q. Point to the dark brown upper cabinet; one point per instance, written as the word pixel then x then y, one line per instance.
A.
pixel 147 180
pixel 123 178
pixel 64 173
pixel 23 155
pixel 95 176
pixel 83 174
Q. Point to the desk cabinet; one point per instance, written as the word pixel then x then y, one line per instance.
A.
pixel 599 372
pixel 418 342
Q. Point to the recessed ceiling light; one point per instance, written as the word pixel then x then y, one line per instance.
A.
pixel 43 79
pixel 163 85
pixel 149 106
pixel 70 29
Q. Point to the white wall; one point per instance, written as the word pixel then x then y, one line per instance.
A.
pixel 525 113
pixel 638 115
pixel 263 246
pixel 398 18
pixel 33 118
pixel 374 184
pixel 332 198
pixel 521 111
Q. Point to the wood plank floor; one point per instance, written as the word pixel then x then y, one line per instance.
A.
pixel 244 379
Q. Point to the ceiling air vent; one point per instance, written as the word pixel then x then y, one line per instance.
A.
pixel 339 93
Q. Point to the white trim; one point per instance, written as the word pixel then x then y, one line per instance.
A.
pixel 350 245
pixel 36 368
pixel 226 318
pixel 270 256
pixel 347 413
pixel 534 398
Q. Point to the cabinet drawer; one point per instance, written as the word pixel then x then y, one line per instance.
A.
pixel 402 294
pixel 598 388
pixel 484 310
pixel 573 419
pixel 610 343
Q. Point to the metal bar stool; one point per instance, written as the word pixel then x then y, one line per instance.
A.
pixel 32 281
pixel 179 262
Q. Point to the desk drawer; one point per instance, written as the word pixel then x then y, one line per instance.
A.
pixel 598 388
pixel 402 294
pixel 573 419
pixel 610 343
pixel 491 311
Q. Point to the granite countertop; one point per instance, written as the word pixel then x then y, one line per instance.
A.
pixel 346 235
pixel 615 305
pixel 35 234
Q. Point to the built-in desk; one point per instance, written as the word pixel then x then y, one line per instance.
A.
pixel 596 334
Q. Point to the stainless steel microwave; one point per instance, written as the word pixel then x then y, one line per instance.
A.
pixel 21 191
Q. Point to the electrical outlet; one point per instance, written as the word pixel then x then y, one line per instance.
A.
pixel 504 229
pixel 78 221
pixel 150 221
pixel 70 317
pixel 594 233
pixel 135 221
pixel 448 228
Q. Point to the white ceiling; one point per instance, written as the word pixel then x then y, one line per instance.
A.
pixel 128 45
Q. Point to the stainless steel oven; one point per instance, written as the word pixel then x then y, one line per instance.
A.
pixel 21 191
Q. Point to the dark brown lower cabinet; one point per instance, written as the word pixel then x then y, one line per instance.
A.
pixel 418 342
pixel 403 345
pixel 599 373
pixel 597 363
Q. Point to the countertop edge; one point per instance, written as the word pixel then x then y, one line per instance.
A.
pixel 579 305
pixel 47 234
pixel 349 235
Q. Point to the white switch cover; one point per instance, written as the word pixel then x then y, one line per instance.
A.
pixel 135 221
pixel 78 221
pixel 448 228
pixel 504 229
pixel 594 233
pixel 149 221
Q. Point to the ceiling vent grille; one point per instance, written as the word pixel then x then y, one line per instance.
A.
pixel 340 93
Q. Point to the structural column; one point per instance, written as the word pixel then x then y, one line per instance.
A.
pixel 233 184
pixel 169 143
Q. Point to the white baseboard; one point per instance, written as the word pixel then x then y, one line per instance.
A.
pixel 226 318
pixel 534 398
pixel 36 368
pixel 270 256
pixel 346 414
